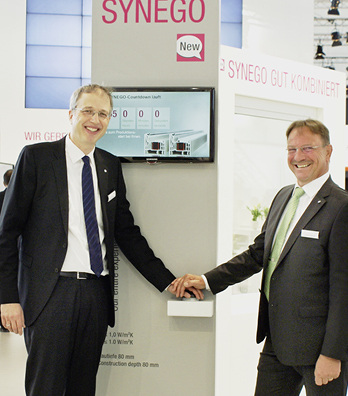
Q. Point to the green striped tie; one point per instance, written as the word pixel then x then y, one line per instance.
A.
pixel 280 237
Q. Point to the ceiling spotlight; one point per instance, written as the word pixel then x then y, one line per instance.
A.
pixel 336 43
pixel 334 7
pixel 320 53
pixel 335 36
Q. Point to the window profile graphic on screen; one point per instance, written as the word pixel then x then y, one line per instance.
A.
pixel 161 124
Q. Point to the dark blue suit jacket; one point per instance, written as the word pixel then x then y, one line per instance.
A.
pixel 35 211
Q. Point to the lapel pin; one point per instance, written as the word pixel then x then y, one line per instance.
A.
pixel 319 201
pixel 105 170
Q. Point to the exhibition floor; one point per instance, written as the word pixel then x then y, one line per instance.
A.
pixel 12 364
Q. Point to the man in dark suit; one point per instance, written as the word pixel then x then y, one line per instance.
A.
pixel 304 293
pixel 7 177
pixel 59 284
pixel 6 180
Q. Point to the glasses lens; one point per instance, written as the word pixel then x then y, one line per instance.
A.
pixel 102 115
pixel 291 151
pixel 90 113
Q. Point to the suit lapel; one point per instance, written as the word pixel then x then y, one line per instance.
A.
pixel 277 210
pixel 60 171
pixel 102 173
pixel 317 203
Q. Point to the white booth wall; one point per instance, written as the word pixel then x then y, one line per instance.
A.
pixel 259 96
pixel 276 29
pixel 279 28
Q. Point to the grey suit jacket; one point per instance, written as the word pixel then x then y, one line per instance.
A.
pixel 35 212
pixel 306 313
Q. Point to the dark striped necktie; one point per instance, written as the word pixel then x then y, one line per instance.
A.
pixel 94 247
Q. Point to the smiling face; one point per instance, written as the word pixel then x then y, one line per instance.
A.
pixel 87 130
pixel 308 166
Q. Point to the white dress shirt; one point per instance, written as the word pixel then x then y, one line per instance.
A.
pixel 310 189
pixel 77 256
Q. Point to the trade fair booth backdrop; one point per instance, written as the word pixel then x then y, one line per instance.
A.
pixel 259 96
pixel 194 215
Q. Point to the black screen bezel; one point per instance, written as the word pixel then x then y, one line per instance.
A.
pixel 159 159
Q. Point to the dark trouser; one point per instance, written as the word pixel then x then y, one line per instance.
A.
pixel 64 343
pixel 276 379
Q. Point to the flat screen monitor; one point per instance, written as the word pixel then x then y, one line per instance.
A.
pixel 161 125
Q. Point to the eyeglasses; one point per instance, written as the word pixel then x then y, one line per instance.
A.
pixel 305 149
pixel 89 113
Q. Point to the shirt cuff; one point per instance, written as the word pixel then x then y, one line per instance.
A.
pixel 206 282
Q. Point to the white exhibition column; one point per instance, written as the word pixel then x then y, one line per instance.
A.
pixel 134 44
pixel 259 96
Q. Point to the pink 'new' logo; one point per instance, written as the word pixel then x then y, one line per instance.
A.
pixel 190 48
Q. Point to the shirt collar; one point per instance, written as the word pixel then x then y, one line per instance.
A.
pixel 75 153
pixel 312 188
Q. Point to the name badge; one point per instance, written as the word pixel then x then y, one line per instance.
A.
pixel 310 234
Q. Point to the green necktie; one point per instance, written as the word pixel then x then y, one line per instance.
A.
pixel 280 237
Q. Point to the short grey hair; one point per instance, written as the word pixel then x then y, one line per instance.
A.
pixel 88 89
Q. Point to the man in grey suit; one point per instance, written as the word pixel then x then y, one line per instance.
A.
pixel 58 286
pixel 304 293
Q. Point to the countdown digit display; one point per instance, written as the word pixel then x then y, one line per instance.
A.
pixel 161 124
